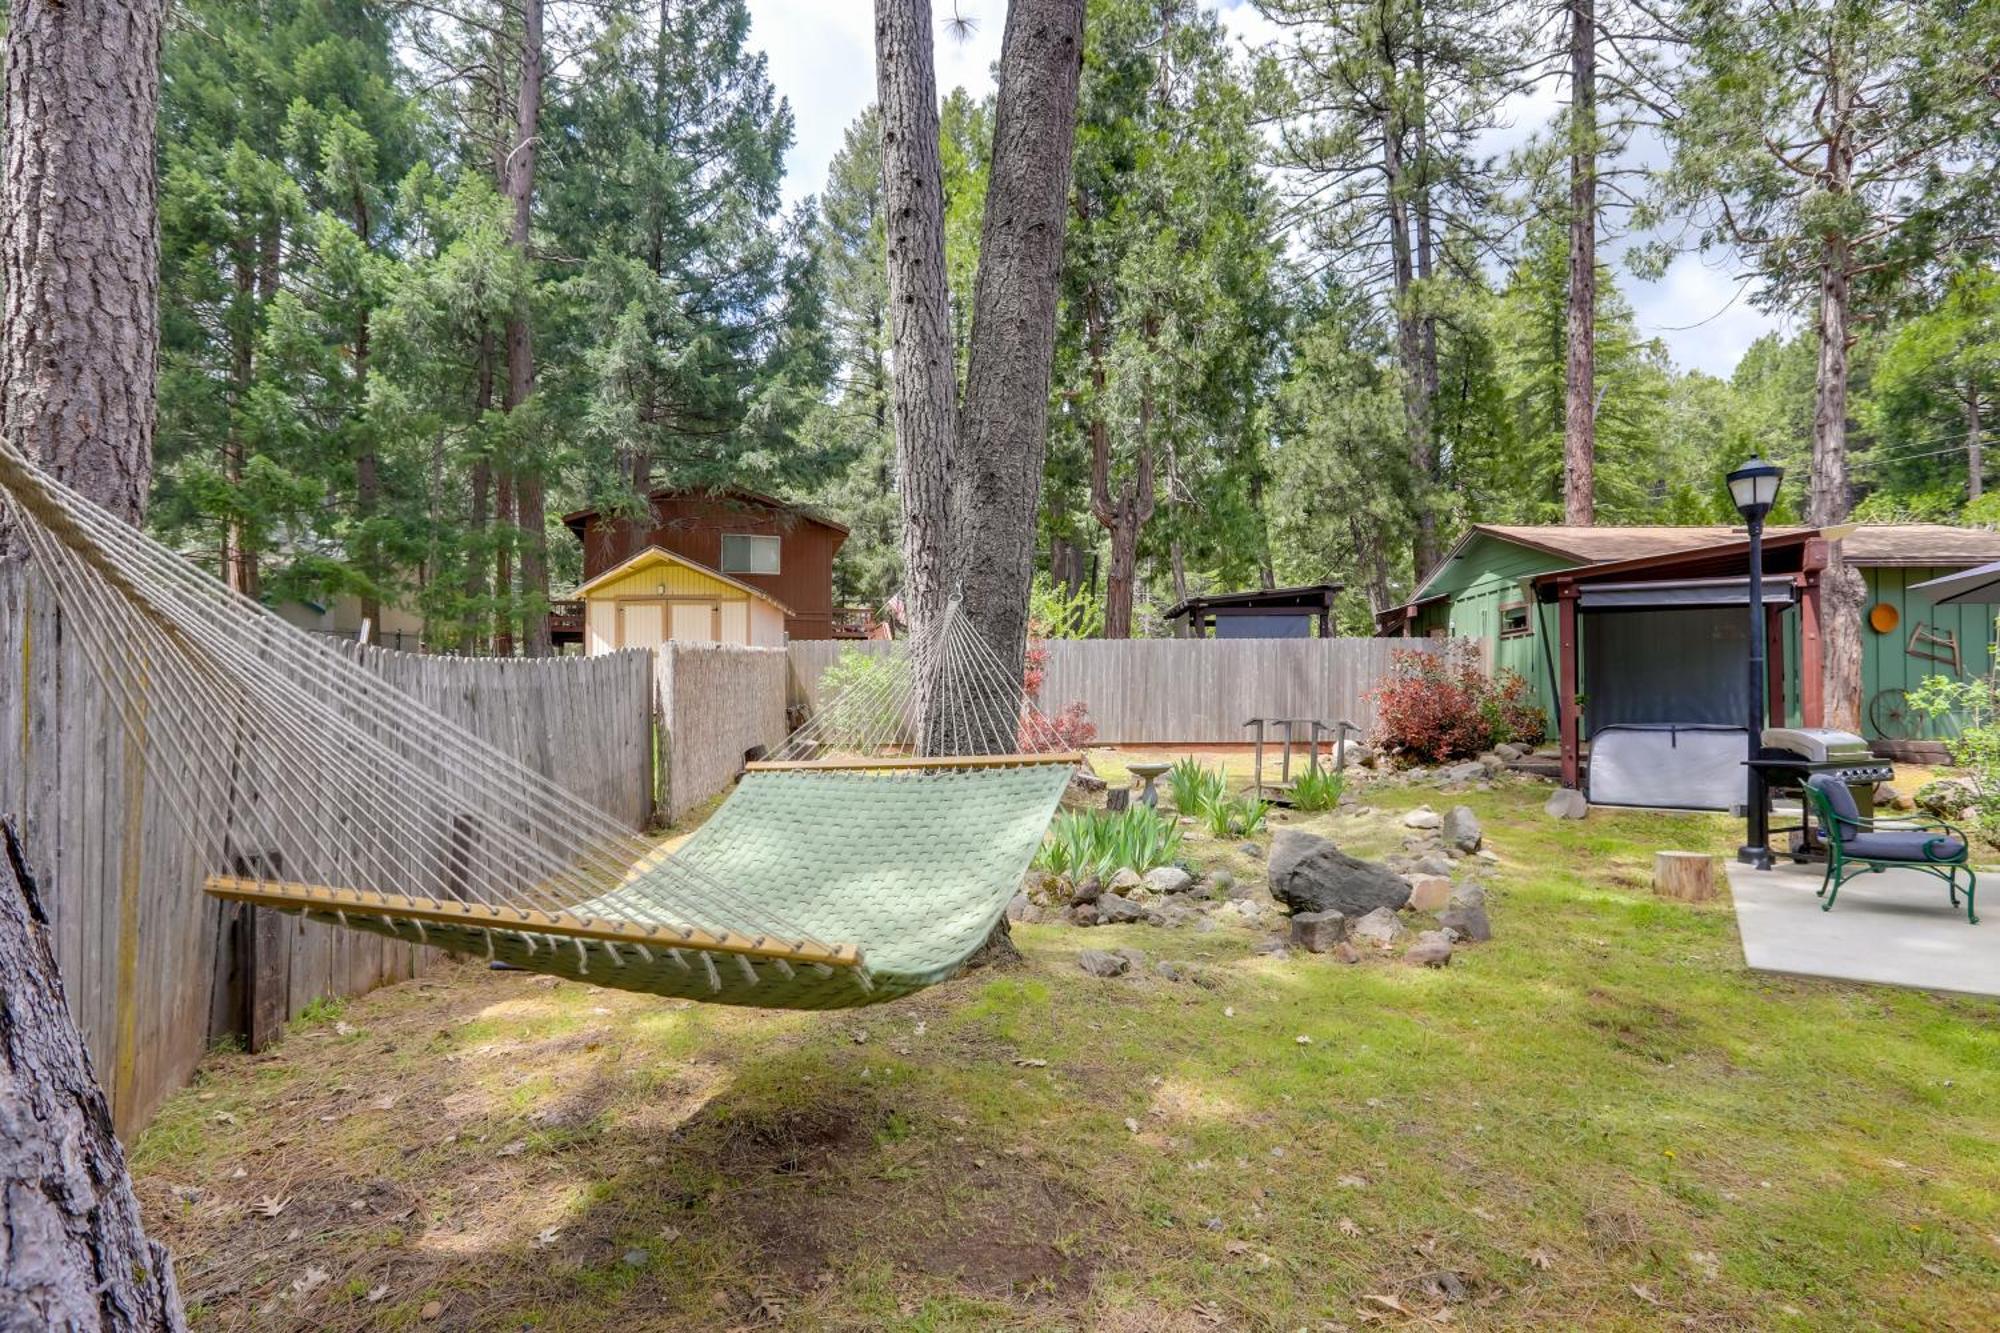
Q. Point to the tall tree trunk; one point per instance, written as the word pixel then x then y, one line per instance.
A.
pixel 1828 502
pixel 477 520
pixel 504 536
pixel 519 187
pixel 79 342
pixel 1975 446
pixel 238 569
pixel 1410 342
pixel 80 245
pixel 1177 562
pixel 1123 512
pixel 1003 425
pixel 920 330
pixel 1267 572
pixel 77 1256
pixel 1580 391
pixel 1374 564
pixel 367 462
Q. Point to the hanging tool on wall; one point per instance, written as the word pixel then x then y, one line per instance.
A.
pixel 1935 645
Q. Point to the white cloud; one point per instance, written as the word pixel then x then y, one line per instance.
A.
pixel 822 59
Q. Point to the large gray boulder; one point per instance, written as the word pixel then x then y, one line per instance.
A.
pixel 1310 874
pixel 1114 909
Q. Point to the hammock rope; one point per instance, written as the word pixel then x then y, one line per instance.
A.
pixel 846 869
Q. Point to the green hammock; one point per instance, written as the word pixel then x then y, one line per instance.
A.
pixel 914 867
pixel 848 872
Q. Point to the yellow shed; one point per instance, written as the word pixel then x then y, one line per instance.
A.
pixel 657 595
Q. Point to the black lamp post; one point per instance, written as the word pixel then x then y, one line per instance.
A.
pixel 1754 488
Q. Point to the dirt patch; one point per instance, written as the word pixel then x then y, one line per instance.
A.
pixel 793 1140
pixel 1640 1026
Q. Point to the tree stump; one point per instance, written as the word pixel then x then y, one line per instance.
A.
pixel 1688 877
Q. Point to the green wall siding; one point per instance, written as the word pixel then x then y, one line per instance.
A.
pixel 1885 660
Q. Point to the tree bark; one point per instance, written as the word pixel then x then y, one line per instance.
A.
pixel 481 499
pixel 1580 391
pixel 76 1254
pixel 519 187
pixel 1842 588
pixel 80 245
pixel 972 472
pixel 79 344
pixel 1975 446
pixel 1122 513
pixel 926 379
pixel 1409 336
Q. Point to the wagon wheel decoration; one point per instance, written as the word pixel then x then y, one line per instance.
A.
pixel 1889 712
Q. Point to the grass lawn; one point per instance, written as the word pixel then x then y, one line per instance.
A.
pixel 1598 1120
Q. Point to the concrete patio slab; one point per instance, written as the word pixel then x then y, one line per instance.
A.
pixel 1897 928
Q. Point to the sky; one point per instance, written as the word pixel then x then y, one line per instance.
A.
pixel 822 59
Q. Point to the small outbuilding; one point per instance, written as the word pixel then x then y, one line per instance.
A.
pixel 656 595
pixel 1268 613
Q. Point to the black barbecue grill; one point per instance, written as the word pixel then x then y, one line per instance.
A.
pixel 1787 756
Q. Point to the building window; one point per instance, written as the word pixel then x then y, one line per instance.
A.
pixel 749 555
pixel 1514 621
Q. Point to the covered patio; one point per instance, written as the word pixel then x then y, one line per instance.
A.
pixel 1659 640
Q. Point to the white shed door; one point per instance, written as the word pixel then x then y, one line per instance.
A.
pixel 694 622
pixel 640 624
pixel 736 622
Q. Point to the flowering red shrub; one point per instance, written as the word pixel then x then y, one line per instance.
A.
pixel 1048 733
pixel 1439 706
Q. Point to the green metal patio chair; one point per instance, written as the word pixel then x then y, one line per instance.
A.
pixel 1854 843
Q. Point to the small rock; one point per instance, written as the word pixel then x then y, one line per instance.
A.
pixel 1422 817
pixel 1249 849
pixel 1461 829
pixel 1318 932
pixel 1169 970
pixel 1220 882
pixel 1083 914
pixel 1274 946
pixel 1017 907
pixel 1088 891
pixel 1486 854
pixel 432 1310
pixel 1465 772
pixel 1134 958
pixel 635 1258
pixel 1433 863
pixel 1492 762
pixel 1566 803
pixel 1035 915
pixel 1125 880
pixel 1380 928
pixel 1465 916
pixel 1101 964
pixel 1508 751
pixel 1428 893
pixel 1432 949
pixel 1169 879
pixel 1115 910
pixel 1345 952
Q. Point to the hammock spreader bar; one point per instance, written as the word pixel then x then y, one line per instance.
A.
pixel 322 898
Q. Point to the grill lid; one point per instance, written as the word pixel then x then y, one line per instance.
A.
pixel 1817 745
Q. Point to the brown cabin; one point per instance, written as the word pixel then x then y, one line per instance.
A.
pixel 776 548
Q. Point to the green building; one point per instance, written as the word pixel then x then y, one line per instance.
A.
pixel 1674 652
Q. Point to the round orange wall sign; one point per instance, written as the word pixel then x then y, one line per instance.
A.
pixel 1882 617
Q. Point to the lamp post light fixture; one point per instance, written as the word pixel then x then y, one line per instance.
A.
pixel 1754 488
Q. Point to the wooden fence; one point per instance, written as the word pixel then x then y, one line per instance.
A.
pixel 1183 691
pixel 154 969
pixel 716 701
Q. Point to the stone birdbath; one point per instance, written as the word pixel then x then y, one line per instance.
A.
pixel 1150 797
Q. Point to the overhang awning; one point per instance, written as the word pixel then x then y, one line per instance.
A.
pixel 1666 593
pixel 1976 586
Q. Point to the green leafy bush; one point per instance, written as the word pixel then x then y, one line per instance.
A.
pixel 1318 789
pixel 1086 843
pixel 1193 787
pixel 1238 817
pixel 861 700
pixel 1974 706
